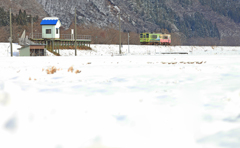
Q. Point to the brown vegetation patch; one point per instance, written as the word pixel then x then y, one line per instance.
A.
pixel 77 71
pixel 70 69
pixel 51 70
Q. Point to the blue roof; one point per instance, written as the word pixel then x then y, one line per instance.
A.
pixel 49 22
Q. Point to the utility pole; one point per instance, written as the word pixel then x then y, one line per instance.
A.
pixel 11 31
pixel 128 43
pixel 75 34
pixel 53 45
pixel 32 26
pixel 119 33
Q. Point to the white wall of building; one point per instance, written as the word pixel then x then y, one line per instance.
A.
pixel 54 34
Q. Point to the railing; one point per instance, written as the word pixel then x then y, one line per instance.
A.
pixel 35 36
pixel 63 36
pixel 72 37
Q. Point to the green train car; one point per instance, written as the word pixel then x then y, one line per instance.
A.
pixel 155 39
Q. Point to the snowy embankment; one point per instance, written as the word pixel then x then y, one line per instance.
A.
pixel 5 50
pixel 107 50
pixel 150 49
pixel 167 101
pixel 102 50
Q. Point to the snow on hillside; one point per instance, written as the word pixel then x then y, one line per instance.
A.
pixel 121 101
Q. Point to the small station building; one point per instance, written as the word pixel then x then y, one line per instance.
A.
pixel 32 50
pixel 53 39
pixel 51 28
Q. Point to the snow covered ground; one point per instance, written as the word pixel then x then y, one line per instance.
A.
pixel 5 50
pixel 121 101
pixel 107 50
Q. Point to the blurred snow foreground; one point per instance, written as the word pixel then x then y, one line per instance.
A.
pixel 169 101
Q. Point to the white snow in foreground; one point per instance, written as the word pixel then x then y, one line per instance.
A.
pixel 120 102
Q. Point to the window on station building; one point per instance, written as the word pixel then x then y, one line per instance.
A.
pixel 57 30
pixel 48 31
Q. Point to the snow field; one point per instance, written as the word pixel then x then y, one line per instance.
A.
pixel 108 50
pixel 120 101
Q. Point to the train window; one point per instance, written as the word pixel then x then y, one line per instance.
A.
pixel 147 35
pixel 165 37
pixel 154 36
pixel 141 35
pixel 144 36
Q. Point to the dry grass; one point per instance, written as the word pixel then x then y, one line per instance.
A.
pixel 77 71
pixel 70 69
pixel 51 70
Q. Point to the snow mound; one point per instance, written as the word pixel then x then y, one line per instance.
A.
pixel 5 50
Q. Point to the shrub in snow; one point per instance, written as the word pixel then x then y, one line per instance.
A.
pixel 77 71
pixel 51 70
pixel 70 69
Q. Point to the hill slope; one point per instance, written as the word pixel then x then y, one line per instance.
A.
pixel 31 6
pixel 213 21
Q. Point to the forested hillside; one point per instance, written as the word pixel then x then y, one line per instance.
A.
pixel 229 8
pixel 200 22
pixel 20 19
